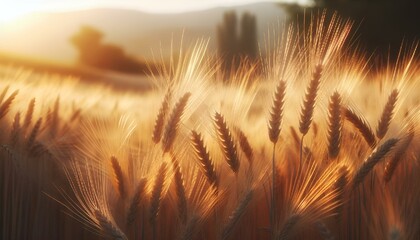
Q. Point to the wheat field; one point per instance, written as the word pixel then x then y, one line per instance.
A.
pixel 311 142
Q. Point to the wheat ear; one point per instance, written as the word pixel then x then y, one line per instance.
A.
pixel 361 125
pixel 288 227
pixel 392 164
pixel 119 176
pixel 160 119
pixel 5 107
pixel 308 105
pixel 180 191
pixel 276 112
pixel 203 156
pixel 324 231
pixel 387 114
pixel 334 125
pixel 156 197
pixel 373 159
pixel 135 201
pixel 171 128
pixel 245 146
pixel 237 214
pixel 29 114
pixel 34 133
pixel 226 142
pixel 15 132
pixel 3 93
pixel 109 227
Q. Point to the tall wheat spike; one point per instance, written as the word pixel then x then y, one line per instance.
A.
pixel 387 114
pixel 288 227
pixel 119 177
pixel 171 128
pixel 308 105
pixel 226 142
pixel 334 125
pixel 361 125
pixel 276 112
pixel 203 156
pixel 373 159
pixel 161 117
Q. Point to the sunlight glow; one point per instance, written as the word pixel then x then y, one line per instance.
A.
pixel 10 11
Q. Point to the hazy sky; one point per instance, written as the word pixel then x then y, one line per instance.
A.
pixel 13 8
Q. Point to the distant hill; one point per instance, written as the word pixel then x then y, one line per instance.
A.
pixel 46 35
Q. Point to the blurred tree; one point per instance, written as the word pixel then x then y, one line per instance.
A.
pixel 92 52
pixel 227 39
pixel 233 44
pixel 248 36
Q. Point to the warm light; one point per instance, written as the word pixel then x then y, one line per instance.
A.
pixel 10 12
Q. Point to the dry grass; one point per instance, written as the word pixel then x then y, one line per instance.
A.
pixel 193 159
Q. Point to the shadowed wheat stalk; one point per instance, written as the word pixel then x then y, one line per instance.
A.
pixel 226 142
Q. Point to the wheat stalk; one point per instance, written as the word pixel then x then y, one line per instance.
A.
pixel 160 119
pixel 276 112
pixel 203 156
pixel 135 201
pixel 387 114
pixel 226 142
pixel 334 125
pixel 119 177
pixel 173 122
pixel 361 125
pixel 308 105
pixel 392 164
pixel 373 159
